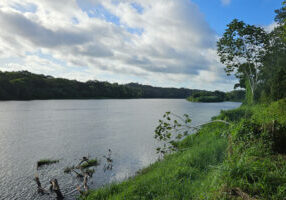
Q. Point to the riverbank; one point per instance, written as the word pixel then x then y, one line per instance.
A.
pixel 243 160
pixel 217 96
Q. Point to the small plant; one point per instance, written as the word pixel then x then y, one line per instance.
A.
pixel 169 131
pixel 68 170
pixel 46 162
pixel 89 163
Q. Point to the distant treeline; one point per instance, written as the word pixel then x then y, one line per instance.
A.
pixel 217 96
pixel 24 85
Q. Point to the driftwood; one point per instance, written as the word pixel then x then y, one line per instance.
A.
pixel 85 186
pixel 56 189
pixel 85 179
pixel 77 174
pixel 41 190
pixel 80 171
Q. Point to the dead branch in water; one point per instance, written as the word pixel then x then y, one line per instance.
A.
pixel 56 189
pixel 83 170
pixel 41 190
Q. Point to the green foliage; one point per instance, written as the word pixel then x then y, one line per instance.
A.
pixel 217 161
pixel 46 162
pixel 241 49
pixel 249 95
pixel 234 115
pixel 158 92
pixel 186 174
pixel 256 163
pixel 281 14
pixel 255 172
pixel 235 95
pixel 24 85
pixel 206 99
pixel 170 131
pixel 256 58
pixel 255 141
pixel 89 163
pixel 217 96
pixel 273 72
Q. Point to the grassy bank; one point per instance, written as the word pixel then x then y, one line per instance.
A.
pixel 179 175
pixel 240 161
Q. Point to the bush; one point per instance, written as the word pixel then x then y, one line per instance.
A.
pixel 234 115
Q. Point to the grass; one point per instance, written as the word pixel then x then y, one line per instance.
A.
pixel 219 162
pixel 257 164
pixel 46 162
pixel 179 175
pixel 90 163
pixel 86 165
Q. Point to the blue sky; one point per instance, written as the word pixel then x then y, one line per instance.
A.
pixel 169 43
pixel 217 14
pixel 258 12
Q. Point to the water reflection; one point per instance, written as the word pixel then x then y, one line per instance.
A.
pixel 70 129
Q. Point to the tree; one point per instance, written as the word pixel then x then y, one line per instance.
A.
pixel 273 72
pixel 280 18
pixel 241 49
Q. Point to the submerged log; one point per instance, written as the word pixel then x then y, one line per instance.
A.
pixel 85 186
pixel 56 189
pixel 41 190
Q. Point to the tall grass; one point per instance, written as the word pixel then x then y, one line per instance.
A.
pixel 257 165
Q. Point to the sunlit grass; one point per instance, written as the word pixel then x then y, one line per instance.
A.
pixel 180 175
pixel 219 162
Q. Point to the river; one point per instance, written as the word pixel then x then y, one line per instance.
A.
pixel 70 129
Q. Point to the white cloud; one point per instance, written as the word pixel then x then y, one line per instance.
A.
pixel 173 45
pixel 270 27
pixel 225 2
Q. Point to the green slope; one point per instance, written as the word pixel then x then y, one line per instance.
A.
pixel 245 160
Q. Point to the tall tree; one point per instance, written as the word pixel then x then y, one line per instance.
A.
pixel 241 49
pixel 280 18
pixel 273 80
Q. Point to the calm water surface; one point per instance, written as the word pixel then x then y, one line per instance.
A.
pixel 70 129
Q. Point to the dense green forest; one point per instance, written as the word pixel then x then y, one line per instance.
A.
pixel 217 96
pixel 257 58
pixel 241 153
pixel 24 85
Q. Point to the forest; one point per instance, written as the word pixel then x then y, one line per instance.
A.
pixel 24 85
pixel 256 57
pixel 217 96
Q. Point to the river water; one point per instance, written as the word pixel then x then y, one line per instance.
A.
pixel 70 129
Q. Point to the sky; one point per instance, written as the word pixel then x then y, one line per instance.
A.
pixel 167 43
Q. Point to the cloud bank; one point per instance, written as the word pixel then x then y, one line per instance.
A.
pixel 166 43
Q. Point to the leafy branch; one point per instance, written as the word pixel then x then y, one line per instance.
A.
pixel 172 128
